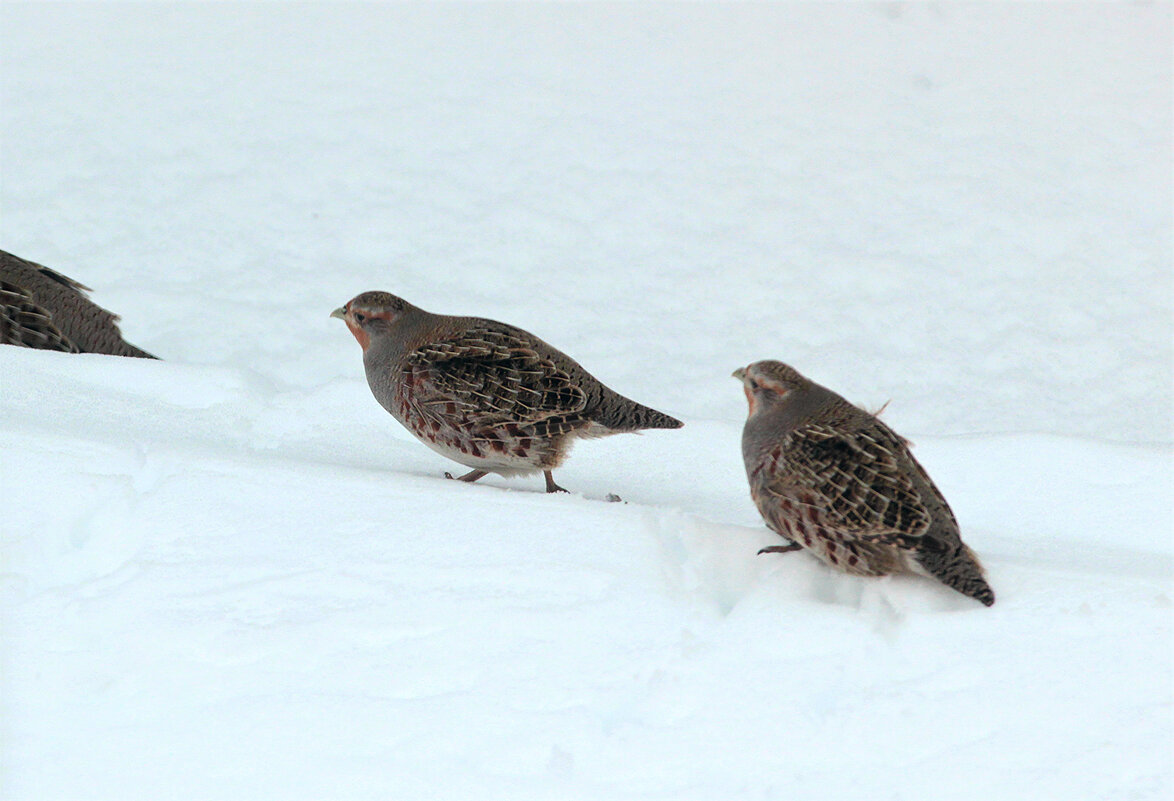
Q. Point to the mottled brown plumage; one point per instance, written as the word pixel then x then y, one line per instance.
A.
pixel 836 481
pixel 485 394
pixel 41 308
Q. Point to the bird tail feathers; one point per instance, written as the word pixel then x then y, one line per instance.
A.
pixel 637 417
pixel 959 569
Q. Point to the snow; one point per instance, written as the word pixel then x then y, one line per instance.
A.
pixel 230 575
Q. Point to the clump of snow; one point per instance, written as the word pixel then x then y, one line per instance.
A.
pixel 230 574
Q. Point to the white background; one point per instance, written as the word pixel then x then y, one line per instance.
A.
pixel 230 574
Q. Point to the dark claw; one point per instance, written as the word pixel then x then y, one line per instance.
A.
pixel 794 546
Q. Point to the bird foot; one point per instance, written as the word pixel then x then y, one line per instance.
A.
pixel 550 485
pixel 469 477
pixel 793 546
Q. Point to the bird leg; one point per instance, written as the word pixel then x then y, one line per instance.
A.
pixel 550 485
pixel 790 546
pixel 469 477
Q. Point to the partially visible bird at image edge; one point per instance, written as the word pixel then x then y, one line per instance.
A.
pixel 41 308
pixel 837 482
pixel 485 394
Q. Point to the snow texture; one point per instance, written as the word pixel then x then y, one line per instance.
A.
pixel 230 575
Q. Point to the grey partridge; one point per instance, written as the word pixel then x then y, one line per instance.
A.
pixel 41 308
pixel 836 481
pixel 488 395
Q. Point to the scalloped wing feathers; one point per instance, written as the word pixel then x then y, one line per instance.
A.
pixel 26 323
pixel 859 477
pixel 497 378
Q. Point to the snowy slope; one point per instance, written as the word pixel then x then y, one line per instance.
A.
pixel 230 575
pixel 260 592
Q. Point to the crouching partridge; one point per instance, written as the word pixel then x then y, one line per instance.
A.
pixel 41 308
pixel 490 396
pixel 836 481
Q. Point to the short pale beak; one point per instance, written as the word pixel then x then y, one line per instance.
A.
pixel 340 313
pixel 739 374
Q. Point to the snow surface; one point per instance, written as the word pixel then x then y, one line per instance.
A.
pixel 230 575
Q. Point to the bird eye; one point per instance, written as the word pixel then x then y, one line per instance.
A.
pixel 360 318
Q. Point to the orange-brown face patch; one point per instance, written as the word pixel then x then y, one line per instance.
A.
pixel 362 336
pixel 749 397
pixel 770 385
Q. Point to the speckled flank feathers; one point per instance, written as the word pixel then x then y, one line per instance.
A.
pixel 485 394
pixel 837 482
pixel 41 308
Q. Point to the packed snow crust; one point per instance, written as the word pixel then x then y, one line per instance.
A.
pixel 230 575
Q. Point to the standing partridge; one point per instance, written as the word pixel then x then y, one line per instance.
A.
pixel 485 394
pixel 41 308
pixel 834 480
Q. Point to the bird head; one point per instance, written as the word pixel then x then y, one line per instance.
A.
pixel 768 383
pixel 372 314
